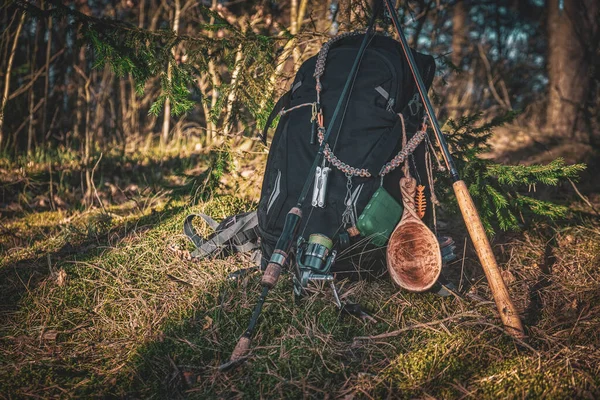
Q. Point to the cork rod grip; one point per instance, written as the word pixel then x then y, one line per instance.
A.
pixel 271 275
pixel 241 348
pixel 508 313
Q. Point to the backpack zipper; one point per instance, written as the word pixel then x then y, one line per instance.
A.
pixel 392 100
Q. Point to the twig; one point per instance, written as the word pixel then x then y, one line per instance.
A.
pixel 176 279
pixel 34 77
pixel 24 123
pixel 462 267
pixel 518 340
pixel 415 326
pixel 488 70
pixel 94 185
pixel 582 197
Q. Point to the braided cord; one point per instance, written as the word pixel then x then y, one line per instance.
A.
pixel 322 58
pixel 391 165
pixel 287 110
pixel 411 145
pixel 349 170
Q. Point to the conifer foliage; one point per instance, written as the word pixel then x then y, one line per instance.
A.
pixel 241 63
pixel 144 54
pixel 505 195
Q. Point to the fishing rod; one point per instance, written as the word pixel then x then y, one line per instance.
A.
pixel 280 255
pixel 508 313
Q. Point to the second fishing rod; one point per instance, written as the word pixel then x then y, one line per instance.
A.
pixel 508 312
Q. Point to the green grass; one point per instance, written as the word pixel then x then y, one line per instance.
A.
pixel 95 304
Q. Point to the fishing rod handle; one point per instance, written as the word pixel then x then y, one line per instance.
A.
pixel 273 271
pixel 282 248
pixel 241 348
pixel 508 313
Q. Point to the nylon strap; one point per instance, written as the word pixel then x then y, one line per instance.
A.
pixel 190 231
pixel 241 235
pixel 283 102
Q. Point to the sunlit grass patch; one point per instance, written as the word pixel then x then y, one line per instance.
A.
pixel 97 305
pixel 114 297
pixel 533 377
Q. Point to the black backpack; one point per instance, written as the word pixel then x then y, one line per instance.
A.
pixel 367 136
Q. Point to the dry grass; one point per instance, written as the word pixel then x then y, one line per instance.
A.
pixel 97 306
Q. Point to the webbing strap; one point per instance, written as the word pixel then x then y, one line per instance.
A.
pixel 241 234
pixel 190 231
pixel 283 102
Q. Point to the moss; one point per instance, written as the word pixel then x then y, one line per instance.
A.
pixel 127 329
pixel 523 377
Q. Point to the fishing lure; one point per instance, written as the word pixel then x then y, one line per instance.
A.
pixel 420 202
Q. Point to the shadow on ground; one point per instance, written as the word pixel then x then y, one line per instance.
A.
pixel 24 276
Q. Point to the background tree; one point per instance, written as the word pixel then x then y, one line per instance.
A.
pixel 572 49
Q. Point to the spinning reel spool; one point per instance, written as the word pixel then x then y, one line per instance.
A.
pixel 314 259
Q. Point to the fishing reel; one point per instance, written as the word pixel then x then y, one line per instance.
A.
pixel 314 259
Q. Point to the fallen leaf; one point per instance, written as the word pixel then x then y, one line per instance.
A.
pixel 61 278
pixel 208 321
pixel 507 277
pixel 50 335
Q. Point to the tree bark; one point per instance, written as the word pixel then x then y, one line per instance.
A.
pixel 458 83
pixel 47 77
pixel 31 130
pixel 459 32
pixel 167 115
pixel 11 57
pixel 569 63
pixel 344 16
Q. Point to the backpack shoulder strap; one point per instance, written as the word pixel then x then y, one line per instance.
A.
pixel 283 102
pixel 239 232
pixel 190 231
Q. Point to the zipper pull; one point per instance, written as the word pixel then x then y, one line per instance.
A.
pixel 314 119
pixel 390 104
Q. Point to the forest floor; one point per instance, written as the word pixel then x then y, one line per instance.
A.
pixel 99 302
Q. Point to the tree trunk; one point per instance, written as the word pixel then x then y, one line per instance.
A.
pixel 87 132
pixel 167 115
pixel 47 78
pixel 458 83
pixel 459 32
pixel 569 63
pixel 344 16
pixel 31 128
pixel 11 57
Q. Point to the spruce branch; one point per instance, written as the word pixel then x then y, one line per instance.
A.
pixel 145 54
pixel 502 193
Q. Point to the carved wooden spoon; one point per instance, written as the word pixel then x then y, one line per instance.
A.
pixel 414 260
